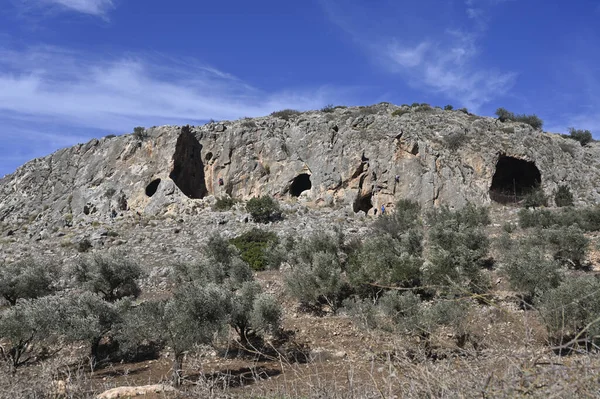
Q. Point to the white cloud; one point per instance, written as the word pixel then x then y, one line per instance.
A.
pixel 74 90
pixel 449 68
pixel 91 7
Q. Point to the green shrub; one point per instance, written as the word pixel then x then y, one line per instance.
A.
pixel 458 248
pixel 570 245
pixel 84 245
pixel 423 107
pixel 583 136
pixel 248 123
pixel 328 108
pixel 455 140
pixel 224 204
pixel 530 271
pixel 400 112
pixel 27 279
pixel 563 196
pixel 286 114
pixel 588 219
pixel 266 314
pixel 252 246
pixel 363 312
pixel 536 218
pixel 112 275
pixel 139 133
pixel 193 316
pixel 571 307
pixel 264 209
pixel 535 198
pixel 318 282
pixel 448 107
pixel 463 110
pixel 509 227
pixel 532 120
pixel 405 216
pixel 385 261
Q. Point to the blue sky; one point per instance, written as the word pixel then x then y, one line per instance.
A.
pixel 71 70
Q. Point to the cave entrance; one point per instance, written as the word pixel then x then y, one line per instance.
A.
pixel 152 187
pixel 514 179
pixel 362 203
pixel 299 184
pixel 188 168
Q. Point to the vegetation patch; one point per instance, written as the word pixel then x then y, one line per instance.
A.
pixel 252 246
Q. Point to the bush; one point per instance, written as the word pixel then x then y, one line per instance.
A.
pixel 529 270
pixel 248 123
pixel 400 112
pixel 448 107
pixel 535 198
pixel 563 196
pixel 194 314
pixel 27 279
pixel 264 209
pixel 571 307
pixel 286 114
pixel 224 204
pixel 318 282
pixel 139 133
pixel 252 246
pixel 363 312
pixel 532 120
pixel 458 248
pixel 406 216
pixel 569 244
pixel 113 276
pixel 583 136
pixel 328 108
pixel 463 110
pixel 266 314
pixel 455 140
pixel 588 219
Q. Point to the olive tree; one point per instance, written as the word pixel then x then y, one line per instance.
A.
pixel 194 314
pixel 113 275
pixel 27 279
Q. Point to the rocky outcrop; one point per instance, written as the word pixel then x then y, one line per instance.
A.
pixel 359 157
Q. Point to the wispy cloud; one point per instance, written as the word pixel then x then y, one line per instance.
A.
pixel 448 67
pixel 98 8
pixel 61 91
pixel 50 83
pixel 434 56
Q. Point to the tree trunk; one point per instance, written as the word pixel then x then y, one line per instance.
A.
pixel 94 352
pixel 177 364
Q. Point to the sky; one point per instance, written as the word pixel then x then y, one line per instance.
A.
pixel 72 70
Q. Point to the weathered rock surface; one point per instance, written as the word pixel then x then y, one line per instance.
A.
pixel 129 392
pixel 355 158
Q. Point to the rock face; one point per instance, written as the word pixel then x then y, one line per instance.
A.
pixel 360 158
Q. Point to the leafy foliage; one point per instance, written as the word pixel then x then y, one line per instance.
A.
pixel 194 314
pixel 264 209
pixel 448 107
pixel 328 108
pixel 458 248
pixel 400 112
pixel 286 114
pixel 455 140
pixel 563 196
pixel 139 133
pixel 111 275
pixel 571 307
pixel 588 219
pixel 27 279
pixel 224 204
pixel 582 136
pixel 536 198
pixel 252 246
pixel 532 120
pixel 569 245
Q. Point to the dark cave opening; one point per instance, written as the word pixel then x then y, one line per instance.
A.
pixel 188 168
pixel 152 187
pixel 362 203
pixel 514 179
pixel 299 184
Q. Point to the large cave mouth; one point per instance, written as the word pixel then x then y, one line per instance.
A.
pixel 300 184
pixel 514 179
pixel 362 203
pixel 188 168
pixel 152 187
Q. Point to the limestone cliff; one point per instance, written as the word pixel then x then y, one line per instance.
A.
pixel 358 157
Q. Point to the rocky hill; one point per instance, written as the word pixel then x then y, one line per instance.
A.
pixel 356 158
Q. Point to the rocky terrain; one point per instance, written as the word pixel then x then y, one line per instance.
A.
pixel 152 194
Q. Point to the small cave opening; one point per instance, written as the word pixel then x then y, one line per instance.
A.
pixel 363 203
pixel 300 184
pixel 514 179
pixel 152 187
pixel 188 168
